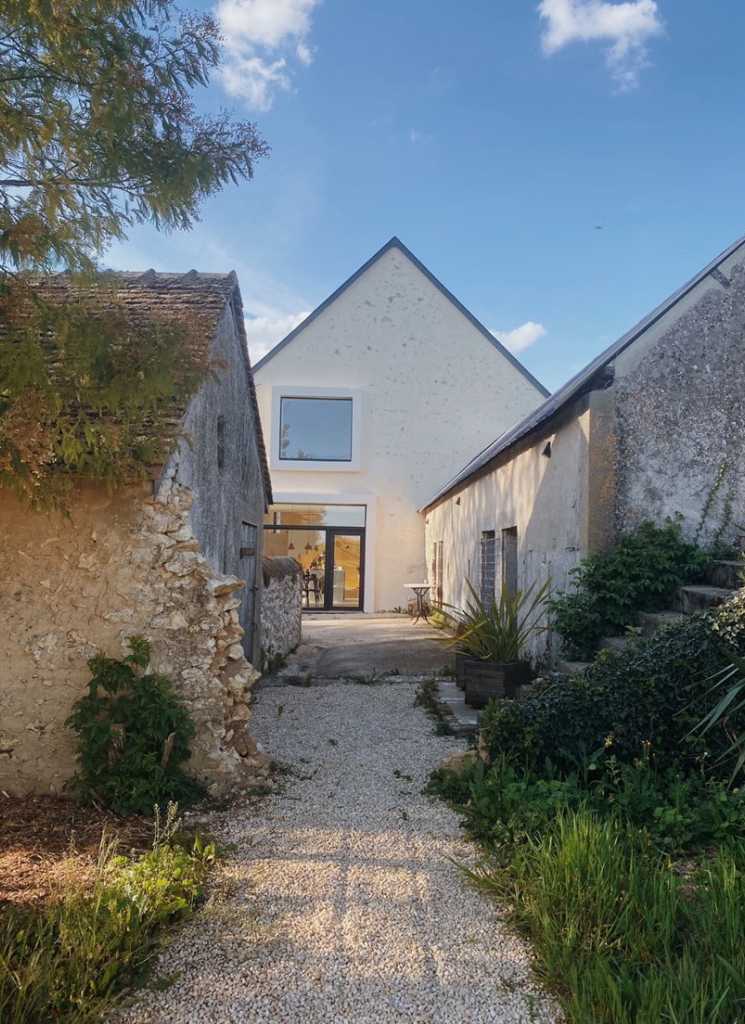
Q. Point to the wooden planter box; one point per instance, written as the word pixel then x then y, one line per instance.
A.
pixel 485 680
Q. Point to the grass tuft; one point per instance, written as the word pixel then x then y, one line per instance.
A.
pixel 68 962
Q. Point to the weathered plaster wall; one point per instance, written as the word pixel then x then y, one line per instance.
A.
pixel 281 607
pixel 228 496
pixel 681 414
pixel 434 391
pixel 547 499
pixel 120 565
pixel 650 445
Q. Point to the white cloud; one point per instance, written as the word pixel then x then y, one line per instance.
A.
pixel 263 332
pixel 417 137
pixel 261 38
pixel 522 337
pixel 627 27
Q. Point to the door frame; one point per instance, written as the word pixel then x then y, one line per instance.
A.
pixel 332 532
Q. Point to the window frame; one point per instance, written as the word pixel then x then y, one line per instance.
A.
pixel 315 465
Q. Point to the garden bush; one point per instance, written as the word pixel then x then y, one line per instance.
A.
pixel 133 736
pixel 641 573
pixel 503 805
pixel 644 700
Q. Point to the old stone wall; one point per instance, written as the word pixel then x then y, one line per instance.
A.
pixel 281 607
pixel 219 460
pixel 681 415
pixel 121 564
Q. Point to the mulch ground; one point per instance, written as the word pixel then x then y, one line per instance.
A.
pixel 48 842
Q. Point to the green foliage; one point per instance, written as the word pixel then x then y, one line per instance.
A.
pixel 98 130
pixel 86 391
pixel 647 698
pixel 641 573
pixel 620 936
pixel 133 736
pixel 719 549
pixel 499 631
pixel 427 694
pixel 580 830
pixel 503 805
pixel 68 962
pixel 728 711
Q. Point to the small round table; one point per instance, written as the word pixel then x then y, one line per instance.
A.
pixel 421 590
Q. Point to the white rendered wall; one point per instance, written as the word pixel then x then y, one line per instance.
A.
pixel 545 498
pixel 434 392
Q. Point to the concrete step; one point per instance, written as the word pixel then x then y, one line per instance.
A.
pixel 698 598
pixel 615 643
pixel 728 575
pixel 650 622
pixel 572 668
pixel 463 721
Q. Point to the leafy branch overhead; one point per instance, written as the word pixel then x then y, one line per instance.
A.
pixel 98 128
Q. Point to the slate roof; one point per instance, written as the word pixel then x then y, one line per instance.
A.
pixel 586 380
pixel 198 299
pixel 396 243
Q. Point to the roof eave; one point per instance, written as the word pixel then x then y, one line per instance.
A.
pixel 544 414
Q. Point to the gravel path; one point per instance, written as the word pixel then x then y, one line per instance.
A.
pixel 339 903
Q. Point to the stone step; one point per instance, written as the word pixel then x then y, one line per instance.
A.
pixel 650 622
pixel 463 721
pixel 571 668
pixel 728 575
pixel 698 598
pixel 615 643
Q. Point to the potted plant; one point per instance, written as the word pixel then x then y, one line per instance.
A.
pixel 490 642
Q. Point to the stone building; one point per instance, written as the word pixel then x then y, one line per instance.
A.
pixel 653 428
pixel 176 558
pixel 365 409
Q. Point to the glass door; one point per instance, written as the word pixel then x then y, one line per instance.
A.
pixel 344 570
pixel 328 542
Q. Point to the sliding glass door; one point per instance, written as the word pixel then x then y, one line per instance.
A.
pixel 328 541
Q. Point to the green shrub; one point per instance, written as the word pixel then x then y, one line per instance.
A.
pixel 133 736
pixel 641 573
pixel 68 962
pixel 647 698
pixel 503 805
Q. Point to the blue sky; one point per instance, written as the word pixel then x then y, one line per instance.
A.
pixel 561 166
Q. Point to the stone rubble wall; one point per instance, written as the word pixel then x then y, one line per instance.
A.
pixel 120 565
pixel 281 607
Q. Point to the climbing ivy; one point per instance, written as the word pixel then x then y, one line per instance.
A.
pixel 87 390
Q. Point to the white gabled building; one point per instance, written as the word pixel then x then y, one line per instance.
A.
pixel 379 395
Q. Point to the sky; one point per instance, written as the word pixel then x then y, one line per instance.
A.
pixel 561 166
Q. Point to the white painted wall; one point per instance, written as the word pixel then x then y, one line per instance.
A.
pixel 545 498
pixel 434 391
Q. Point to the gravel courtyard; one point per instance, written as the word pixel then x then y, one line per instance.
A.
pixel 339 903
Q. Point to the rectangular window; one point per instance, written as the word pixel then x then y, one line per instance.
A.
pixel 509 560
pixel 488 566
pixel 315 430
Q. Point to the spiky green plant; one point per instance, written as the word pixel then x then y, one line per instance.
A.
pixel 732 677
pixel 500 630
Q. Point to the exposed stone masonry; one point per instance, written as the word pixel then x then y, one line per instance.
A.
pixel 120 565
pixel 281 607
